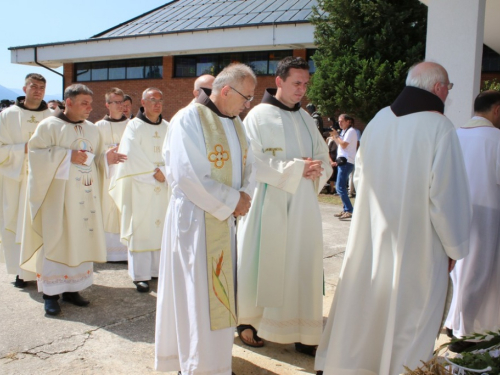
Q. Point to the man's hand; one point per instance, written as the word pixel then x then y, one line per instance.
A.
pixel 79 157
pixel 159 176
pixel 243 205
pixel 312 169
pixel 451 264
pixel 114 157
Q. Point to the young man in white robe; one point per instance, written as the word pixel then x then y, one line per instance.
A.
pixel 139 189
pixel 476 300
pixel 111 129
pixel 280 241
pixel 63 232
pixel 17 125
pixel 411 222
pixel 209 168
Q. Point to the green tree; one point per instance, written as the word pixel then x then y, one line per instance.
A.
pixel 365 48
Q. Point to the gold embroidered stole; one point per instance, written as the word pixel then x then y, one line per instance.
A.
pixel 218 239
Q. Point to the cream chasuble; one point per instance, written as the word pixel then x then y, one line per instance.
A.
pixel 219 258
pixel 280 241
pixel 64 212
pixel 141 200
pixel 110 132
pixel 476 301
pixel 17 125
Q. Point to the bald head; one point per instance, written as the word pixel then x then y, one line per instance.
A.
pixel 204 81
pixel 431 77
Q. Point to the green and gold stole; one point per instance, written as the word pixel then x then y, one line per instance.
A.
pixel 218 240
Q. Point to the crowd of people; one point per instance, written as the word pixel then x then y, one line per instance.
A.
pixel 225 214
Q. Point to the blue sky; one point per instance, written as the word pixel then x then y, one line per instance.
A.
pixel 29 22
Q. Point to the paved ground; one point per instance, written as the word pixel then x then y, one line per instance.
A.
pixel 115 334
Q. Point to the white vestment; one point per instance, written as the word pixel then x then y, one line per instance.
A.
pixel 475 305
pixel 184 340
pixel 280 241
pixel 111 132
pixel 412 212
pixel 63 231
pixel 141 199
pixel 17 125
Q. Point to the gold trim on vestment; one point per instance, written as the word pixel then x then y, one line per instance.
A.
pixel 221 290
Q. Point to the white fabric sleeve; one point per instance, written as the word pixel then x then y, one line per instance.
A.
pixel 145 178
pixel 63 170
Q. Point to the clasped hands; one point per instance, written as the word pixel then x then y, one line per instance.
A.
pixel 312 169
pixel 243 205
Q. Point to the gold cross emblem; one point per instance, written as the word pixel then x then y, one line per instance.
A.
pixel 218 157
pixel 156 135
pixel 273 150
pixel 33 120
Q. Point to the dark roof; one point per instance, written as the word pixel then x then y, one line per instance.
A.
pixel 187 15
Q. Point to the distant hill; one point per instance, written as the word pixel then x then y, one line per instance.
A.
pixel 12 94
pixel 6 93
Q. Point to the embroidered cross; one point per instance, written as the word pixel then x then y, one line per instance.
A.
pixel 218 157
pixel 273 150
pixel 156 135
pixel 33 120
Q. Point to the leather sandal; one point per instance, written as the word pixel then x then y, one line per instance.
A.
pixel 258 341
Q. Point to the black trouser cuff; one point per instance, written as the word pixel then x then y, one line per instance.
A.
pixel 55 298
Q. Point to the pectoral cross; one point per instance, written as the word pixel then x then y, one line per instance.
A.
pixel 273 150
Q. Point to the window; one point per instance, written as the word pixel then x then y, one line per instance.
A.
pixel 262 63
pixel 491 60
pixel 312 66
pixel 150 68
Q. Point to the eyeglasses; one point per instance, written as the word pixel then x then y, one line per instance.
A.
pixel 154 101
pixel 248 99
pixel 449 85
pixel 117 102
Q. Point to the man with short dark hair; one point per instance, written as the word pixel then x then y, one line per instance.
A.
pixel 411 222
pixel 111 129
pixel 474 307
pixel 209 168
pixel 127 107
pixel 280 241
pixel 139 189
pixel 63 230
pixel 17 124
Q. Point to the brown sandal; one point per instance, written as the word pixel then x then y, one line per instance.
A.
pixel 258 341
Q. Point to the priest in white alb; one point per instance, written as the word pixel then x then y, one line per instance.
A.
pixel 411 222
pixel 17 125
pixel 209 168
pixel 280 241
pixel 476 278
pixel 111 129
pixel 139 189
pixel 63 232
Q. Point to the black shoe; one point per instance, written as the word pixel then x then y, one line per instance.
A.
pixel 20 283
pixel 306 349
pixel 142 286
pixel 449 332
pixel 52 307
pixel 75 298
pixel 319 372
pixel 460 346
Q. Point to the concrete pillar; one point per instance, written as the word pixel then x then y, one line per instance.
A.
pixel 455 33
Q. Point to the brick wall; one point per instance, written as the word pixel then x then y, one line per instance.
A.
pixel 177 92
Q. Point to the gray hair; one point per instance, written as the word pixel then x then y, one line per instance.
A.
pixel 425 75
pixel 232 75
pixel 76 89
pixel 145 92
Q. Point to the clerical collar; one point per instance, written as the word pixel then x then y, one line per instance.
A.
pixel 20 103
pixel 269 98
pixel 204 98
pixel 63 117
pixel 413 100
pixel 110 119
pixel 142 116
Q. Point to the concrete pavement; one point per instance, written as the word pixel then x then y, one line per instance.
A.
pixel 115 333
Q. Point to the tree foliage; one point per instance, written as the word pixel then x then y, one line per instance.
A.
pixel 365 48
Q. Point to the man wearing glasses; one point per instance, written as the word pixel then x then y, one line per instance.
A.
pixel 280 241
pixel 139 189
pixel 209 167
pixel 111 129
